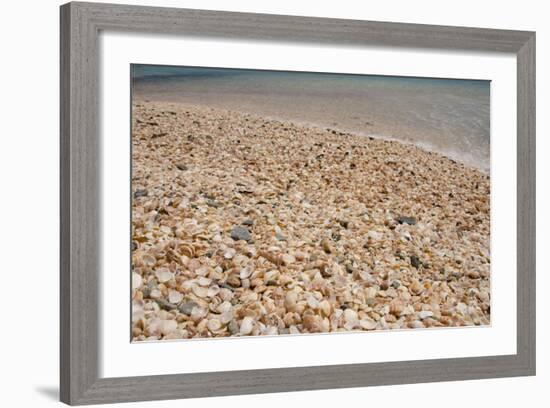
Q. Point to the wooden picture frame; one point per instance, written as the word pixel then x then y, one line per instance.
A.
pixel 81 24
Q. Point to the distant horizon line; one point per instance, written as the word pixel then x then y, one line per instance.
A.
pixel 203 71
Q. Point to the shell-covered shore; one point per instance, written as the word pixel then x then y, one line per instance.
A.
pixel 243 225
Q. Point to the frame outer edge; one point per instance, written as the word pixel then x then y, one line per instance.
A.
pixel 275 27
pixel 64 174
pixel 526 210
pixel 80 230
pixel 79 179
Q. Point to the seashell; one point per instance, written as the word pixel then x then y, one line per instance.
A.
pixel 312 323
pixel 245 272
pixel 300 256
pixel 351 320
pixel 370 292
pixel 325 307
pixel 229 253
pixel 288 259
pixel 199 291
pixel 233 281
pixel 367 324
pixel 213 291
pixel 325 244
pixel 202 271
pixel 290 301
pixel 163 275
pixel 225 294
pixel 168 326
pixel 270 276
pixel 153 327
pixel 214 325
pixel 408 310
pixel 247 324
pixel 198 313
pixel 416 288
pixel 396 307
pixel 249 297
pixel 325 325
pixel 473 275
pixel 137 281
pixel 193 265
pixel 148 260
pixel 425 314
pixel 416 325
pixel 187 250
pixel 375 235
pixel 202 281
pixel 312 302
pixel 226 317
pixel 462 308
pixel 174 296
pixel 270 256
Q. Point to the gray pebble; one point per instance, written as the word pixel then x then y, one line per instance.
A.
pixel 406 220
pixel 415 262
pixel 187 308
pixel 164 304
pixel 240 233
pixel 140 193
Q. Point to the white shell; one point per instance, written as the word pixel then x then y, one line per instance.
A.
pixel 247 325
pixel 174 296
pixel 163 275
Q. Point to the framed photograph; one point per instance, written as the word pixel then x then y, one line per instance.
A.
pixel 261 203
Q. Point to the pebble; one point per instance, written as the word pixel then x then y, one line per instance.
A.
pixel 187 307
pixel 166 305
pixel 241 233
pixel 181 166
pixel 406 220
pixel 415 261
pixel 140 193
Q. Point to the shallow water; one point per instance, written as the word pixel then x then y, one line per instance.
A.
pixel 450 116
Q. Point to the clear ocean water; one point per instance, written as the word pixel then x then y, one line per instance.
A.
pixel 449 116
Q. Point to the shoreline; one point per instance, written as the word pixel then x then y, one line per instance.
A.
pixel 426 146
pixel 244 225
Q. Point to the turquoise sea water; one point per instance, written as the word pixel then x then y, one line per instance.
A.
pixel 450 116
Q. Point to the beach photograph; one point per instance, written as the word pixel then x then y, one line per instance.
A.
pixel 271 203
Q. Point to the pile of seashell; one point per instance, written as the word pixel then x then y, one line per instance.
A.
pixel 249 226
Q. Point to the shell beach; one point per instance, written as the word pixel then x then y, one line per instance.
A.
pixel 244 226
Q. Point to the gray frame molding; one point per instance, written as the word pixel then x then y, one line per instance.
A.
pixel 80 233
